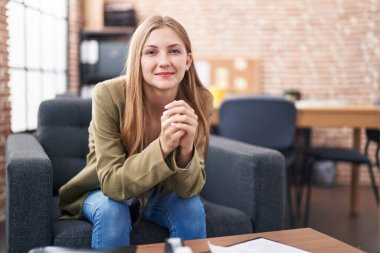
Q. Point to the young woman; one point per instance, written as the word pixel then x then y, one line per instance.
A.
pixel 148 140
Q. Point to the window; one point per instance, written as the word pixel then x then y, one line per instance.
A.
pixel 38 38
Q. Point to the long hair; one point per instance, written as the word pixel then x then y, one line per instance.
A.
pixel 191 89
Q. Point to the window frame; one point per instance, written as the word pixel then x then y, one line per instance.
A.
pixel 43 70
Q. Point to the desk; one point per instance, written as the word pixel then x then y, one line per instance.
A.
pixel 304 238
pixel 336 116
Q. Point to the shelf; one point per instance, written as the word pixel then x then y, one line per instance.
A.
pixel 110 31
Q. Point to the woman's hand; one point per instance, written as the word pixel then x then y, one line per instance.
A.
pixel 181 117
pixel 169 136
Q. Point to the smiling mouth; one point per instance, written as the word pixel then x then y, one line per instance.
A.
pixel 164 74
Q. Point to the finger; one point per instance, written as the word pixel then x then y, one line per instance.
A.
pixel 183 119
pixel 174 136
pixel 165 121
pixel 185 127
pixel 170 138
pixel 180 110
pixel 170 130
pixel 176 103
pixel 164 117
pixel 178 134
pixel 166 129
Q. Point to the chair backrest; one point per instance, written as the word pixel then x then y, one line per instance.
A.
pixel 63 133
pixel 259 120
pixel 374 134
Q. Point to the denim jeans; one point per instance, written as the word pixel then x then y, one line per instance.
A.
pixel 184 218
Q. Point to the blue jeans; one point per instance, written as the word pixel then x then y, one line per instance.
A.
pixel 184 217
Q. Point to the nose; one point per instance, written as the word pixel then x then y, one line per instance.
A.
pixel 163 61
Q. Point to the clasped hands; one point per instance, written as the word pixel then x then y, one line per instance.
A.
pixel 178 130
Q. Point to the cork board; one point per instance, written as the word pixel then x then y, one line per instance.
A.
pixel 240 75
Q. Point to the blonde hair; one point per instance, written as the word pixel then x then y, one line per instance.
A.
pixel 191 89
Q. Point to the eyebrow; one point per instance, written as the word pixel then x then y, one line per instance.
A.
pixel 172 45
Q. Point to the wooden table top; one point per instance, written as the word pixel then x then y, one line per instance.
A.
pixel 352 116
pixel 304 238
pixel 330 116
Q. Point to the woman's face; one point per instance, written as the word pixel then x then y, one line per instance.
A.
pixel 164 61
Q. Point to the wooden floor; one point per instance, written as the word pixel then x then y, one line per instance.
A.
pixel 330 215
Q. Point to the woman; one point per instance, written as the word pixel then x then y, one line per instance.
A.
pixel 147 142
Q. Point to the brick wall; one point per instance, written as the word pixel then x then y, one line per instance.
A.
pixel 325 49
pixel 5 107
pixel 75 24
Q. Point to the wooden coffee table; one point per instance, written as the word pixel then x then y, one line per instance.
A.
pixel 305 238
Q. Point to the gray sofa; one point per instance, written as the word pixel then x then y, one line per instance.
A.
pixel 244 191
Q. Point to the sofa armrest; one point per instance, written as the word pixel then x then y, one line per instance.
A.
pixel 249 178
pixel 29 194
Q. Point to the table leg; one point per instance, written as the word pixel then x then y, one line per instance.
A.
pixel 355 175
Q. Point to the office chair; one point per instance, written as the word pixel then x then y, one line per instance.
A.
pixel 264 121
pixel 373 135
pixel 336 155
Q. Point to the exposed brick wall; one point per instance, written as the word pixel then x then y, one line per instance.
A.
pixel 75 24
pixel 5 106
pixel 326 49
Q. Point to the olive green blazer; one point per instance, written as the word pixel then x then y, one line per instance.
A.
pixel 110 169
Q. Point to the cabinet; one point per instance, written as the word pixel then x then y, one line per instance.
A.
pixel 102 55
pixel 103 49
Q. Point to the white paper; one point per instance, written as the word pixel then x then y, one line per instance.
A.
pixel 204 72
pixel 260 245
pixel 89 52
pixel 93 52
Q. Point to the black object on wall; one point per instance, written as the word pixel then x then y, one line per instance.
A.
pixel 118 17
pixel 102 56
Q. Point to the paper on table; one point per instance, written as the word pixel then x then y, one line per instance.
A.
pixel 260 245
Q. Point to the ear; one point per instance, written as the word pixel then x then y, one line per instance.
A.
pixel 189 60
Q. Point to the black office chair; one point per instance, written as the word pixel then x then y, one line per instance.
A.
pixel 263 121
pixel 373 135
pixel 336 155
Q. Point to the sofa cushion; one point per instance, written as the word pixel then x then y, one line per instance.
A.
pixel 223 221
pixel 220 221
pixel 63 133
pixel 72 233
